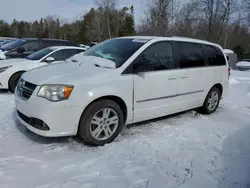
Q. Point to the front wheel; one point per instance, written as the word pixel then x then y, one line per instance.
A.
pixel 212 101
pixel 101 123
pixel 13 81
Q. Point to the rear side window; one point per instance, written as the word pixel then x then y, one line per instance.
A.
pixel 48 43
pixel 214 55
pixel 31 46
pixel 189 55
pixel 68 43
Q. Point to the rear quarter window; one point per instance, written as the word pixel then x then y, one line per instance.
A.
pixel 214 56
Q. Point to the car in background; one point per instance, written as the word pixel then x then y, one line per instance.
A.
pixel 84 46
pixel 12 69
pixel 231 58
pixel 3 42
pixel 21 48
pixel 122 81
pixel 92 44
pixel 243 65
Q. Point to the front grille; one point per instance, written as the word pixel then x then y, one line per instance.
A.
pixel 25 89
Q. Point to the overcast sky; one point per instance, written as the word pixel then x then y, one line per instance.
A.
pixel 30 10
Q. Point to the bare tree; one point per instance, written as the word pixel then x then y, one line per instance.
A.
pixel 108 6
pixel 231 6
pixel 211 9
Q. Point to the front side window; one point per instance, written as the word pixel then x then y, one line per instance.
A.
pixel 214 56
pixel 189 54
pixel 39 54
pixel 158 56
pixel 32 46
pixel 117 50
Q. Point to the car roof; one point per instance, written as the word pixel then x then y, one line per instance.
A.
pixel 42 39
pixel 65 47
pixel 173 38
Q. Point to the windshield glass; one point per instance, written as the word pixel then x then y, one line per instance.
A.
pixel 117 50
pixel 39 54
pixel 11 45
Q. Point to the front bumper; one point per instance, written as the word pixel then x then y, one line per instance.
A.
pixel 4 79
pixel 55 118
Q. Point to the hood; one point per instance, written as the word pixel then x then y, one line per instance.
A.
pixel 2 55
pixel 69 72
pixel 14 61
pixel 98 61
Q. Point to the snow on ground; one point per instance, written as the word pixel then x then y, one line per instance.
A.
pixel 184 150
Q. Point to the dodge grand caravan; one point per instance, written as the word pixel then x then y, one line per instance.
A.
pixel 122 81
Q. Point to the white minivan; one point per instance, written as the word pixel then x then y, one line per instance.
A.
pixel 122 81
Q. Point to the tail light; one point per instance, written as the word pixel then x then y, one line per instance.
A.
pixel 229 72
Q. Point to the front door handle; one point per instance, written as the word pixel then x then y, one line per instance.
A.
pixel 172 78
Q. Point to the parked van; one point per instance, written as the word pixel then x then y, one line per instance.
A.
pixel 21 48
pixel 231 58
pixel 122 81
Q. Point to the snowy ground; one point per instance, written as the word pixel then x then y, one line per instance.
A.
pixel 185 150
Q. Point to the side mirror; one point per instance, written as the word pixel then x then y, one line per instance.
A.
pixel 21 50
pixel 49 59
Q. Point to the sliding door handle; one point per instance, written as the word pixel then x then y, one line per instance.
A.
pixel 184 77
pixel 172 78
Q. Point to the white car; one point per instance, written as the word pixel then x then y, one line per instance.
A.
pixel 243 65
pixel 12 69
pixel 122 81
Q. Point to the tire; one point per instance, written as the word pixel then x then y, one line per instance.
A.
pixel 89 131
pixel 13 81
pixel 206 108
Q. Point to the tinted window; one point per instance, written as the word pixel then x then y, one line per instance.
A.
pixel 158 56
pixel 48 43
pixel 117 50
pixel 214 55
pixel 189 54
pixel 64 54
pixel 32 46
pixel 13 44
pixel 39 54
pixel 68 43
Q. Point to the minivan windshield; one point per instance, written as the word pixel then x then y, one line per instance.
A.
pixel 117 50
pixel 39 54
pixel 12 45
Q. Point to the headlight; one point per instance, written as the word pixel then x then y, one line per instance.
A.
pixel 55 92
pixel 2 69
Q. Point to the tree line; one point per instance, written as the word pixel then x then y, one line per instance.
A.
pixel 225 22
pixel 98 24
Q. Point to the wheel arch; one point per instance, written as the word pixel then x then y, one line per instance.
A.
pixel 114 98
pixel 18 72
pixel 219 86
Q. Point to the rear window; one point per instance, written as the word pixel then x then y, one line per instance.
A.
pixel 214 55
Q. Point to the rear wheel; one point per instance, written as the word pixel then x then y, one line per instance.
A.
pixel 101 123
pixel 13 81
pixel 212 101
